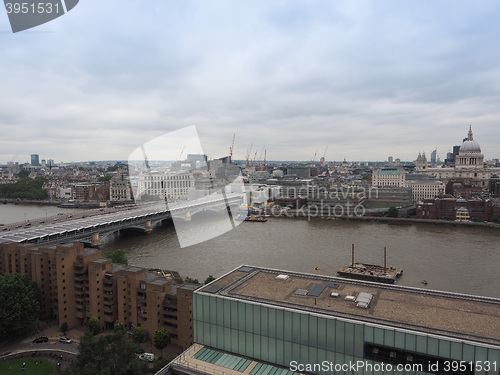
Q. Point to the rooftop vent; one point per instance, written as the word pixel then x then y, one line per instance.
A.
pixel 282 277
pixel 363 300
pixel 350 298
pixel 301 292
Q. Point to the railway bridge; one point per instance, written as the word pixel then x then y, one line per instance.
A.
pixel 145 217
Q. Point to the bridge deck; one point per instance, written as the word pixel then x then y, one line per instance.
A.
pixel 80 228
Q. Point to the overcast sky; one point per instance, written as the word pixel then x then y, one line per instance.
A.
pixel 368 79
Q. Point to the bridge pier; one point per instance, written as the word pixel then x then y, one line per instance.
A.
pixel 148 227
pixel 95 240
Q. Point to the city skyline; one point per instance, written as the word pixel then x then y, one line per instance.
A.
pixel 368 80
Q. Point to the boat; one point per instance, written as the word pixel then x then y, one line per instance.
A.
pixel 371 272
pixel 260 219
pixel 243 217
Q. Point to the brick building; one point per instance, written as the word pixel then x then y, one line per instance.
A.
pixel 77 283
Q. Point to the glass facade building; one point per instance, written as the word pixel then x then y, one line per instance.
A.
pixel 309 339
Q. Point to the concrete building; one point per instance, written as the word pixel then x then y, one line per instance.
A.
pixel 284 322
pixel 166 186
pixel 120 190
pixel 424 187
pixel 389 177
pixel 77 283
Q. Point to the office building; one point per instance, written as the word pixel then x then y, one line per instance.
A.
pixel 35 160
pixel 276 320
pixel 165 186
pixel 389 177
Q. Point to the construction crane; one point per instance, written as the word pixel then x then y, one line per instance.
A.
pixel 323 158
pixel 260 157
pixel 232 148
pixel 254 157
pixel 312 161
pixel 248 156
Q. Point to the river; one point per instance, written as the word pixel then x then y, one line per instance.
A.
pixel 451 258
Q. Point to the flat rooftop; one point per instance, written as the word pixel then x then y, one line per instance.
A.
pixel 450 314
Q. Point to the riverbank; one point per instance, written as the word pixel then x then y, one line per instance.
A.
pixel 410 221
pixel 41 202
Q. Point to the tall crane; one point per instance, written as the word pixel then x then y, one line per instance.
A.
pixel 232 148
pixel 323 158
pixel 254 157
pixel 312 161
pixel 248 156
pixel 260 157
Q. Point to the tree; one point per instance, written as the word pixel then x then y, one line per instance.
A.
pixel 393 212
pixel 191 281
pixel 209 279
pixel 495 219
pixel 161 338
pixel 117 256
pixel 23 173
pixel 64 328
pixel 94 326
pixel 105 178
pixel 20 304
pixel 110 354
pixel 138 335
pixel 119 328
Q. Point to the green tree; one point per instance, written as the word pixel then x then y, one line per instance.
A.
pixel 64 328
pixel 161 338
pixel 191 281
pixel 24 188
pixel 23 173
pixel 119 328
pixel 393 212
pixel 209 279
pixel 495 219
pixel 94 326
pixel 138 335
pixel 110 354
pixel 117 256
pixel 105 178
pixel 20 304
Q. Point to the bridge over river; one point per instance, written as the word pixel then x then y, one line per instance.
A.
pixel 93 228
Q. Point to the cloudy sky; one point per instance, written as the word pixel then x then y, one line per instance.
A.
pixel 368 79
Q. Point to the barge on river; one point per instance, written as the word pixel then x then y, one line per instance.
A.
pixel 371 272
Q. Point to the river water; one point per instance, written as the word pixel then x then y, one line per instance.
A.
pixel 451 258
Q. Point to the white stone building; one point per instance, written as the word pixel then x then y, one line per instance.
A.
pixel 166 186
pixel 393 177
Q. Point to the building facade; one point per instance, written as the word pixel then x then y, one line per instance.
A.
pixel 166 186
pixel 424 188
pixel 77 283
pixel 120 191
pixel 292 319
pixel 393 177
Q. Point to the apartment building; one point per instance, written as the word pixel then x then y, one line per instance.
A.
pixel 77 283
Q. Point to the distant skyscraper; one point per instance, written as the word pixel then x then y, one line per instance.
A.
pixel 35 160
pixel 434 159
pixel 390 160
